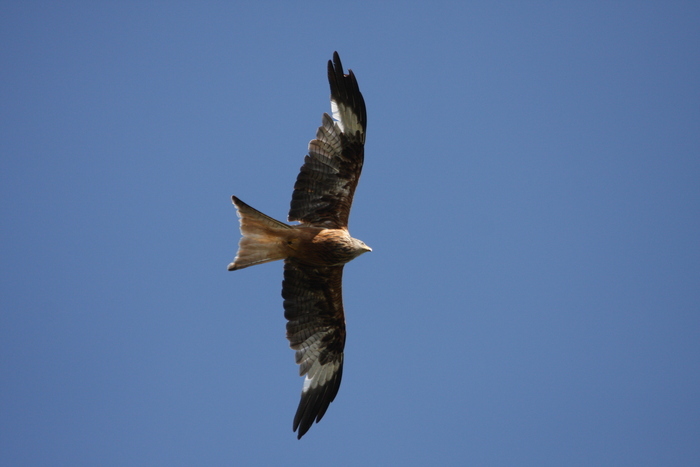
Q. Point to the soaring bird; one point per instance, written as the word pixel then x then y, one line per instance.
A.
pixel 316 249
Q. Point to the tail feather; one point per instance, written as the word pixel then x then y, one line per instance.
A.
pixel 263 237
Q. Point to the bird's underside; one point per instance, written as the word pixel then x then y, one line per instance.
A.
pixel 315 250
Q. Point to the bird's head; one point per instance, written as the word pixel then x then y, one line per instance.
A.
pixel 360 247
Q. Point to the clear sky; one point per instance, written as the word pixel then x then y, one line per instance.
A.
pixel 531 192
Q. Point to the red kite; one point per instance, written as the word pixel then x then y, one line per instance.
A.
pixel 315 250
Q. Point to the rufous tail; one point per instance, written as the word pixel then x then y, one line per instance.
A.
pixel 262 237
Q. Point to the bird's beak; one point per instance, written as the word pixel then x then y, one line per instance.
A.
pixel 368 248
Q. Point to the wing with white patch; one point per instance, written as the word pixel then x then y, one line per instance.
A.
pixel 313 305
pixel 326 183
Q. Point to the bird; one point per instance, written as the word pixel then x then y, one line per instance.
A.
pixel 316 248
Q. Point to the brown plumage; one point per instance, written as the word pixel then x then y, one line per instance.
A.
pixel 315 250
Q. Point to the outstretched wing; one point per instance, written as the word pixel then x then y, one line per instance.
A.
pixel 326 183
pixel 313 304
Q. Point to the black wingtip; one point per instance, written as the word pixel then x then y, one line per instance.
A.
pixel 344 88
pixel 337 62
pixel 315 402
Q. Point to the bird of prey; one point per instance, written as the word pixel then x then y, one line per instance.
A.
pixel 316 249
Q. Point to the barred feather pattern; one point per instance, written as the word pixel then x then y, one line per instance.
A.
pixel 326 183
pixel 316 330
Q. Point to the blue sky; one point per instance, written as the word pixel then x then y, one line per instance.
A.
pixel 531 193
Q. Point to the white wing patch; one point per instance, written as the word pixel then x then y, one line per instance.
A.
pixel 347 120
pixel 307 357
pixel 319 375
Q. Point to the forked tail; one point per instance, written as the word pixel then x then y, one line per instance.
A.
pixel 263 238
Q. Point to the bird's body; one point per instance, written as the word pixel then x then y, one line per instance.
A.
pixel 315 250
pixel 265 239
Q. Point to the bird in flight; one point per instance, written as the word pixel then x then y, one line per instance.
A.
pixel 316 249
